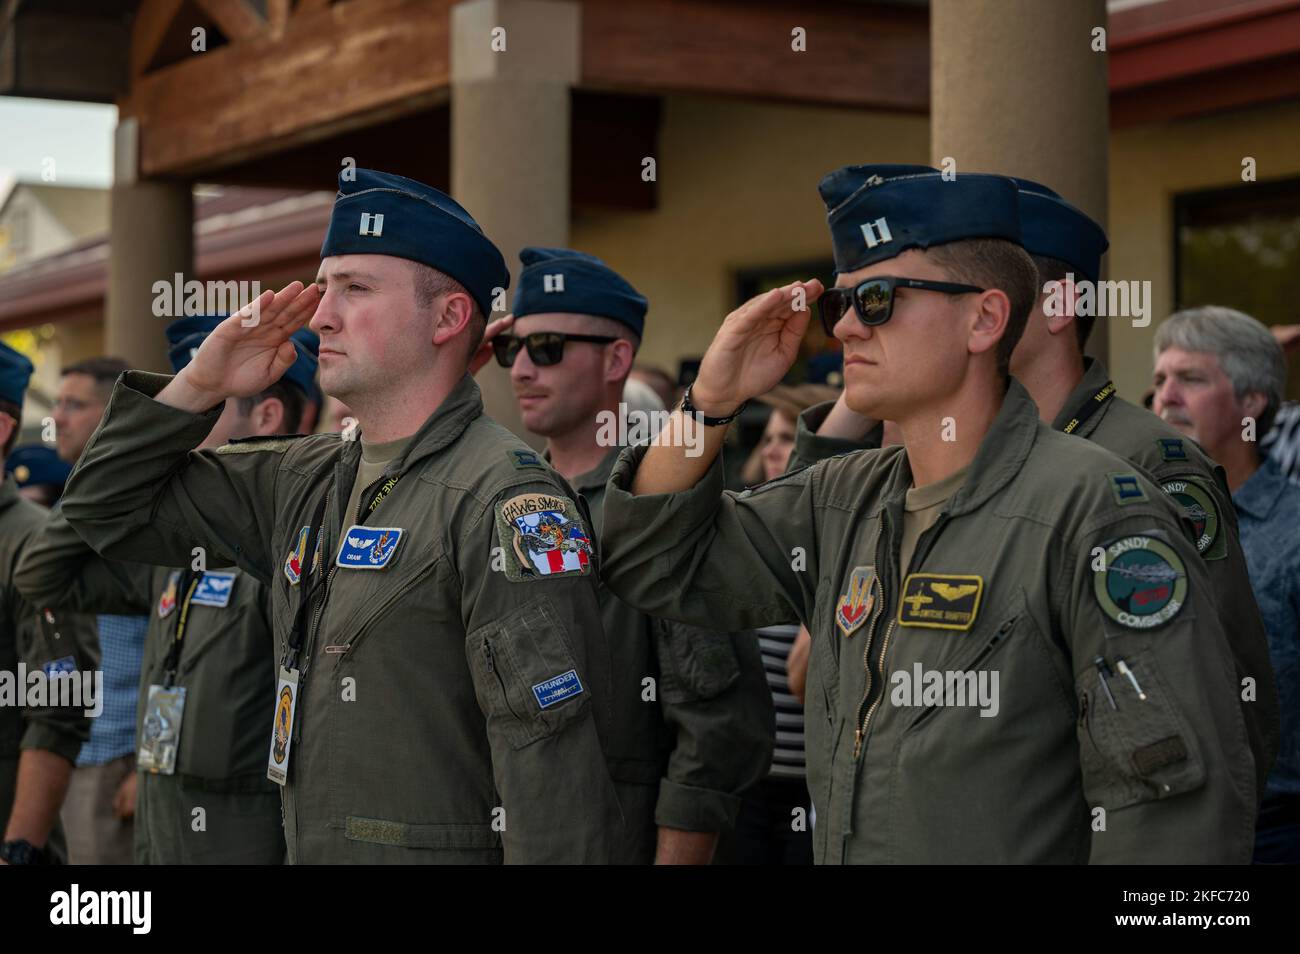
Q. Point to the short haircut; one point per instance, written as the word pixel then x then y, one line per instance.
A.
pixel 995 263
pixel 289 395
pixel 430 283
pixel 1055 270
pixel 1247 351
pixel 105 371
pixel 16 412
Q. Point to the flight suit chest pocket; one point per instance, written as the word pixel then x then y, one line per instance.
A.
pixel 526 675
pixel 694 664
pixel 1131 749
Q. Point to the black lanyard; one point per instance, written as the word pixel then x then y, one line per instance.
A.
pixel 188 583
pixel 307 593
pixel 1089 407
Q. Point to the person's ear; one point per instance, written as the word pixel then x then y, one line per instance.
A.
pixel 453 317
pixel 618 360
pixel 7 427
pixel 268 417
pixel 989 323
pixel 1254 404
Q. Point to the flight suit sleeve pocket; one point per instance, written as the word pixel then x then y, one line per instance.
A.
pixel 1138 750
pixel 694 663
pixel 526 676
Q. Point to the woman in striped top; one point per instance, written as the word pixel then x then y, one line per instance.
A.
pixel 775 823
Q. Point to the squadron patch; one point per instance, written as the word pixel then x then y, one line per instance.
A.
pixel 542 535
pixel 1200 508
pixel 293 562
pixel 214 590
pixel 167 599
pixel 1126 488
pixel 1143 583
pixel 855 606
pixel 368 548
pixel 940 600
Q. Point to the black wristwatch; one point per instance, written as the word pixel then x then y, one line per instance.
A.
pixel 689 408
pixel 20 852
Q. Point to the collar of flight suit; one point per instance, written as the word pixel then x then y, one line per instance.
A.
pixel 444 425
pixel 1000 457
pixel 1095 377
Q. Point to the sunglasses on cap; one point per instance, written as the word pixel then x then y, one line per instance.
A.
pixel 544 347
pixel 873 299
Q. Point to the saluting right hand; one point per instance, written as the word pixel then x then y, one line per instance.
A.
pixel 484 353
pixel 754 348
pixel 246 353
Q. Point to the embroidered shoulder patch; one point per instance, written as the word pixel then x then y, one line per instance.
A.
pixel 1204 514
pixel 1142 584
pixel 542 535
pixel 1126 488
pixel 1171 448
pixel 940 600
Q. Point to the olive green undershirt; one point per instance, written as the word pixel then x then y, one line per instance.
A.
pixel 921 511
pixel 374 458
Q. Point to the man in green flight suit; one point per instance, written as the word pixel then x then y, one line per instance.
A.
pixel 1075 395
pixel 442 676
pixel 693 725
pixel 39 740
pixel 208 671
pixel 1014 656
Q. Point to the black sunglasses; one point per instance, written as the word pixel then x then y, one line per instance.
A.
pixel 544 347
pixel 873 299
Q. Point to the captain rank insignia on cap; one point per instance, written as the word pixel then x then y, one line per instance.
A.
pixel 541 535
pixel 372 224
pixel 940 600
pixel 1142 582
pixel 1200 509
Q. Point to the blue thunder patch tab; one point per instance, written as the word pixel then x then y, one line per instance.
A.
pixel 214 590
pixel 62 664
pixel 1126 488
pixel 557 689
pixel 1171 448
pixel 368 548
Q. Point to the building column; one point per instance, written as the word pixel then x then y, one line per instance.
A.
pixel 510 134
pixel 1016 88
pixel 151 238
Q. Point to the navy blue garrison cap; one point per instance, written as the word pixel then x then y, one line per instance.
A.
pixel 15 372
pixel 377 213
pixel 301 374
pixel 34 464
pixel 562 280
pixel 878 212
pixel 1053 228
pixel 190 325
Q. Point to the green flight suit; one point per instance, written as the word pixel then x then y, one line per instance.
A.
pixel 37 639
pixel 226 666
pixel 1181 468
pixel 1053 552
pixel 452 670
pixel 683 748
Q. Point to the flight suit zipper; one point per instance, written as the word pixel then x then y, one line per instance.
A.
pixel 982 655
pixel 918 557
pixel 490 659
pixel 860 729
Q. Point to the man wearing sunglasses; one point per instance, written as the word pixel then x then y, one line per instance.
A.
pixel 1015 654
pixel 692 718
pixel 1075 396
pixel 438 641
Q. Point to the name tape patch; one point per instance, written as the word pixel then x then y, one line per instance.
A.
pixel 940 600
pixel 368 548
pixel 214 590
